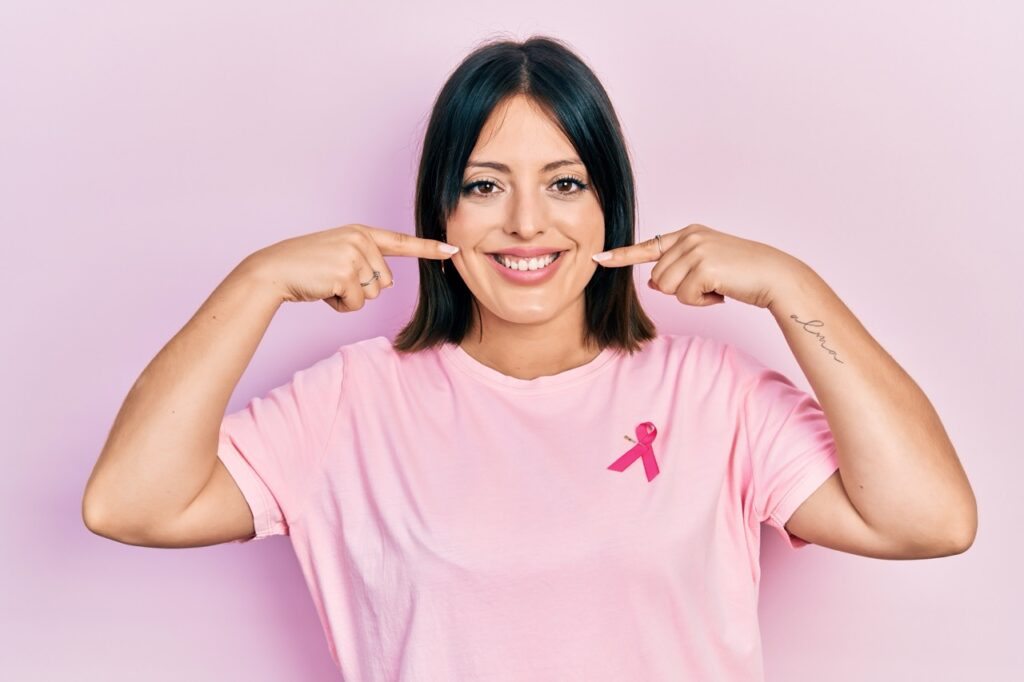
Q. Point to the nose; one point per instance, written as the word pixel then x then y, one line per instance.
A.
pixel 526 216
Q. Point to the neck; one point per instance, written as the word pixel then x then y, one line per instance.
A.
pixel 528 351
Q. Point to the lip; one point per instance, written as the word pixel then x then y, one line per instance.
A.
pixel 527 276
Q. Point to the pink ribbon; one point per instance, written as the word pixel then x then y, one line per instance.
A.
pixel 645 434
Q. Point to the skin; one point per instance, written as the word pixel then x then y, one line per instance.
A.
pixel 534 330
pixel 901 491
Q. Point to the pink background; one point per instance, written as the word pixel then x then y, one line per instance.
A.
pixel 146 150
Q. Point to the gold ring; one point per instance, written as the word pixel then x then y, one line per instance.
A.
pixel 657 238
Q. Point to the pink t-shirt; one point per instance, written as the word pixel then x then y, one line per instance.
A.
pixel 456 523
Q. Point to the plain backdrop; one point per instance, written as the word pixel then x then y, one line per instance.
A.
pixel 146 149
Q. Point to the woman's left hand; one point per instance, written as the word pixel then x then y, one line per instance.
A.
pixel 701 266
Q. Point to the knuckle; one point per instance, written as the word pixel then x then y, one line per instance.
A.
pixel 693 239
pixel 700 253
pixel 362 237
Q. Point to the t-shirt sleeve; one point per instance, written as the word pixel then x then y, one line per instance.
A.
pixel 274 445
pixel 791 446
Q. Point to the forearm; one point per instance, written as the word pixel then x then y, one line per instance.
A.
pixel 898 466
pixel 162 447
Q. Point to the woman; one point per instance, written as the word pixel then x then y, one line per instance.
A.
pixel 529 483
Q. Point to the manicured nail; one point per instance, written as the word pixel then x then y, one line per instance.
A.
pixel 604 255
pixel 650 283
pixel 448 248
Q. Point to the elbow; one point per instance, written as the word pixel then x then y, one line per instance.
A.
pixel 92 517
pixel 117 527
pixel 961 523
pixel 941 539
pixel 969 525
pixel 97 519
pixel 963 540
pixel 92 506
pixel 963 532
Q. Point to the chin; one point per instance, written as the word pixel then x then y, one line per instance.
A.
pixel 520 317
pixel 514 315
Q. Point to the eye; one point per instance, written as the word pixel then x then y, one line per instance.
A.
pixel 572 179
pixel 565 180
pixel 468 189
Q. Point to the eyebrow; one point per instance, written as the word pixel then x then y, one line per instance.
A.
pixel 505 169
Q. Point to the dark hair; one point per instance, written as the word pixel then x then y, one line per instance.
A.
pixel 548 72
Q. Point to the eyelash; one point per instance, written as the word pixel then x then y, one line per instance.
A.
pixel 467 190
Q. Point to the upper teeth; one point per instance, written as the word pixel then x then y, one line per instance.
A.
pixel 525 263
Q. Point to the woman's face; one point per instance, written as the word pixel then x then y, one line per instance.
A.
pixel 524 201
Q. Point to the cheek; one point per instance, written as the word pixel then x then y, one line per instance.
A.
pixel 592 228
pixel 461 223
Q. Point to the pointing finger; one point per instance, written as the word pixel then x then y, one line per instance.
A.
pixel 393 243
pixel 644 252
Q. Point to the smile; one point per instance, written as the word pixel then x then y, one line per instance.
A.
pixel 526 271
pixel 522 264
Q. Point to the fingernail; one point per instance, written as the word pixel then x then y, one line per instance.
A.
pixel 448 248
pixel 392 283
pixel 650 283
pixel 604 255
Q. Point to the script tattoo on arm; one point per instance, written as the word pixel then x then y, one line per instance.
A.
pixel 809 328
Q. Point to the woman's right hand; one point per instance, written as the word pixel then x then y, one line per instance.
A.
pixel 329 265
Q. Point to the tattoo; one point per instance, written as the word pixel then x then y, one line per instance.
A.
pixel 817 323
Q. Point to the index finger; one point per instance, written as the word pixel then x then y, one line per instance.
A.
pixel 644 252
pixel 393 243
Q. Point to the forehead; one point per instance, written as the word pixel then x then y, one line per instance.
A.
pixel 520 132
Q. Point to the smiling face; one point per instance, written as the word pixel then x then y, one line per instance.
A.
pixel 531 202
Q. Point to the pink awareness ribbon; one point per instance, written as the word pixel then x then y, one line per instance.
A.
pixel 645 433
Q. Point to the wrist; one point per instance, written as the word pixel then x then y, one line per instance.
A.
pixel 254 274
pixel 802 284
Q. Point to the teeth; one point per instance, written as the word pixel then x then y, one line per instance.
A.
pixel 526 263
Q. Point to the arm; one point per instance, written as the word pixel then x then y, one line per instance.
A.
pixel 900 490
pixel 899 469
pixel 162 448
pixel 159 479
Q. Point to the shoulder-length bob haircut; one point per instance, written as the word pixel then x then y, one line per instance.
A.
pixel 547 71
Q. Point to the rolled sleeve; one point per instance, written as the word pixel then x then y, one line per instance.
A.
pixel 273 447
pixel 791 446
pixel 267 517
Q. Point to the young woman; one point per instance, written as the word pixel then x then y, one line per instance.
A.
pixel 530 483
